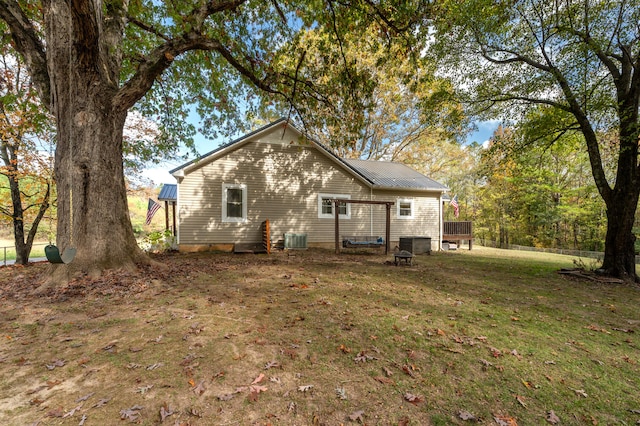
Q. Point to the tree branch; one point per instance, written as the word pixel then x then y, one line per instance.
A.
pixel 148 28
pixel 162 57
pixel 210 8
pixel 27 42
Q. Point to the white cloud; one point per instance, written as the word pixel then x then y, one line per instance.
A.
pixel 158 175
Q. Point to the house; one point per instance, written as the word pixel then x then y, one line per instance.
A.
pixel 277 174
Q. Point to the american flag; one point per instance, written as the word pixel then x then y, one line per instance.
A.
pixel 151 210
pixel 454 203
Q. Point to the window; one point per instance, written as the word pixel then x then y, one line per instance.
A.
pixel 325 206
pixel 405 208
pixel 234 202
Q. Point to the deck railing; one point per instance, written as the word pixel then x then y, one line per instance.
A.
pixel 458 231
pixel 461 229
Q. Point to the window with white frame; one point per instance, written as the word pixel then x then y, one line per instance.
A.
pixel 234 202
pixel 405 208
pixel 325 206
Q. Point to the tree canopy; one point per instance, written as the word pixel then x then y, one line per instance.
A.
pixel 91 62
pixel 578 57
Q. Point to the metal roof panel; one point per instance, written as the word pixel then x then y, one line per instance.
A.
pixel 386 174
pixel 169 192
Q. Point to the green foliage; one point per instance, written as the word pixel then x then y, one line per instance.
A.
pixel 305 59
pixel 543 196
pixel 159 241
pixel 393 98
pixel 25 127
pixel 513 59
pixel 138 204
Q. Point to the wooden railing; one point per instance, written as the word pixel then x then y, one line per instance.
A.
pixel 463 228
pixel 457 231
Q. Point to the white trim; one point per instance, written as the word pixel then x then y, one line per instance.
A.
pixel 331 215
pixel 177 215
pixel 412 204
pixel 226 218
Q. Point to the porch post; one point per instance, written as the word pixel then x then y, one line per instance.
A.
pixel 173 208
pixel 166 215
pixel 337 227
pixel 388 229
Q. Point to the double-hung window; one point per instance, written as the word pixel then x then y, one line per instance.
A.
pixel 325 206
pixel 234 202
pixel 405 208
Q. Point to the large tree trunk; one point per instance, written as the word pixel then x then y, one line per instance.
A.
pixel 619 249
pixel 622 202
pixel 93 215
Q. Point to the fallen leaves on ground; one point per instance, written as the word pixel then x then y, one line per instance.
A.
pixel 344 349
pixel 226 397
pixel 254 391
pixel 364 357
pixel 199 388
pixel 85 397
pixel 597 328
pixel 465 415
pixel 521 400
pixel 414 399
pixel 503 420
pixel 271 364
pixel 258 379
pixel 165 411
pixel 580 392
pixel 404 421
pixel 552 418
pixel 305 388
pixel 132 414
pixel 144 389
pixel 341 393
pixel 357 416
pixel 410 370
pixel 56 363
pixel 71 412
pixel 384 380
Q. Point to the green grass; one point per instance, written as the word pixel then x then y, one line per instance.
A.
pixel 8 250
pixel 487 332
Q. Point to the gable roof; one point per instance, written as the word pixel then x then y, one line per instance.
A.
pixel 375 174
pixel 219 150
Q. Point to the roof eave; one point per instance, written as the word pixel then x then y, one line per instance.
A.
pixel 406 189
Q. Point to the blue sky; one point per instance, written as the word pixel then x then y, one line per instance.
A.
pixel 159 174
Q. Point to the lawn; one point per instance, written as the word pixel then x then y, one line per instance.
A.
pixel 8 250
pixel 312 338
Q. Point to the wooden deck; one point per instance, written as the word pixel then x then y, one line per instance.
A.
pixel 458 231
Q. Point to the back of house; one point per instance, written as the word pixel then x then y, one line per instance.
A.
pixel 276 174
